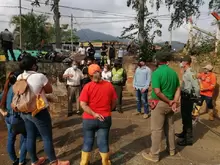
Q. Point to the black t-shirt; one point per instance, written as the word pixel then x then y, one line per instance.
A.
pixel 103 50
pixel 112 52
pixel 91 51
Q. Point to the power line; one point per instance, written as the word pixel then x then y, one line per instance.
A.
pixel 9 6
pixel 89 10
pixel 104 22
pixel 5 21
pixel 84 33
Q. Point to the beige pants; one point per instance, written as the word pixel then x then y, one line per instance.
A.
pixel 73 94
pixel 162 121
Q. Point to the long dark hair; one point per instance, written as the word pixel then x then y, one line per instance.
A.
pixel 12 77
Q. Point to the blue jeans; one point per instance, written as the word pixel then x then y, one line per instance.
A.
pixel 208 101
pixel 90 127
pixel 11 145
pixel 42 123
pixel 142 98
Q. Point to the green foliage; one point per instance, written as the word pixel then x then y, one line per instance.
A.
pixel 146 51
pixel 33 29
pixel 204 46
pixel 66 35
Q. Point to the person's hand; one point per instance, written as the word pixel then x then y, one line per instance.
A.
pixel 203 90
pixel 143 90
pixel 98 116
pixel 171 102
pixel 4 114
pixel 174 107
pixel 70 75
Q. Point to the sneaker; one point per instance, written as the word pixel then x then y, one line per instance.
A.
pixel 172 153
pixel 146 116
pixel 136 113
pixel 40 161
pixel 149 157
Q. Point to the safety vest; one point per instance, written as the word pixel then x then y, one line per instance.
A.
pixel 117 76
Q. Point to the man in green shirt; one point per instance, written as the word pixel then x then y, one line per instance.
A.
pixel 165 95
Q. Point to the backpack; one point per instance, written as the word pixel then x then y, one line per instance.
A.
pixel 24 99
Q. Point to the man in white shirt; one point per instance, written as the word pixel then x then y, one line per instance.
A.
pixel 82 50
pixel 74 77
pixel 120 53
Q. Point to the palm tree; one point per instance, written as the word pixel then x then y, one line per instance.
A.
pixel 34 29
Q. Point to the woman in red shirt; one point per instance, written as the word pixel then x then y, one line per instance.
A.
pixel 97 99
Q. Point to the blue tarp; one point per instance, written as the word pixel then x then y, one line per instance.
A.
pixel 18 52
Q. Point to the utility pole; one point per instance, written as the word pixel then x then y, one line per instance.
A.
pixel 171 32
pixel 141 20
pixel 57 22
pixel 217 17
pixel 20 28
pixel 72 32
pixel 190 40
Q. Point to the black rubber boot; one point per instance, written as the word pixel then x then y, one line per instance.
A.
pixel 180 135
pixel 16 162
pixel 188 140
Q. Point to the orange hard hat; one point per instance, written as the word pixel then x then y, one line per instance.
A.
pixel 93 68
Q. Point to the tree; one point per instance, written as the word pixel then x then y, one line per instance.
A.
pixel 33 29
pixel 182 11
pixel 55 9
pixel 143 28
pixel 66 35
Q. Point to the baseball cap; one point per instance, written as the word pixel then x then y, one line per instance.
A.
pixel 187 59
pixel 93 68
pixel 208 67
pixel 163 56
pixel 141 59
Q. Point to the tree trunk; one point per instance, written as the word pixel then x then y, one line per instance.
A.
pixel 141 20
pixel 57 23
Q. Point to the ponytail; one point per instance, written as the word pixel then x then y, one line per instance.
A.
pixel 97 77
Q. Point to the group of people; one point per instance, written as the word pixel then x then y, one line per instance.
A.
pixel 77 76
pixel 31 122
pixel 167 95
pixel 98 93
pixel 108 53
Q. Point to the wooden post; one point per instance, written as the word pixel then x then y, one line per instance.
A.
pixel 217 17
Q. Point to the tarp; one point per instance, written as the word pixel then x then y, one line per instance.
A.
pixel 18 52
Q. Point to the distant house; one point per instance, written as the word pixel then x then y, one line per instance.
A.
pixel 157 47
pixel 67 45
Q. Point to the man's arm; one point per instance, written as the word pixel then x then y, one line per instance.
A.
pixel 134 79
pixel 66 74
pixel 86 108
pixel 156 87
pixel 148 79
pixel 195 84
pixel 113 104
pixel 177 94
pixel 124 76
pixel 162 96
pixel 212 83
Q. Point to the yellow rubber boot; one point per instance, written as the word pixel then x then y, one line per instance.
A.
pixel 105 158
pixel 85 158
pixel 211 114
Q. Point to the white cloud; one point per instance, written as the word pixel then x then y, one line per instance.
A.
pixel 114 6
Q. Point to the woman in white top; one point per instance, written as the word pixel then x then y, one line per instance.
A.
pixel 41 122
pixel 106 73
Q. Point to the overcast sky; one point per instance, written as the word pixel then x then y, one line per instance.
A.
pixel 114 25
